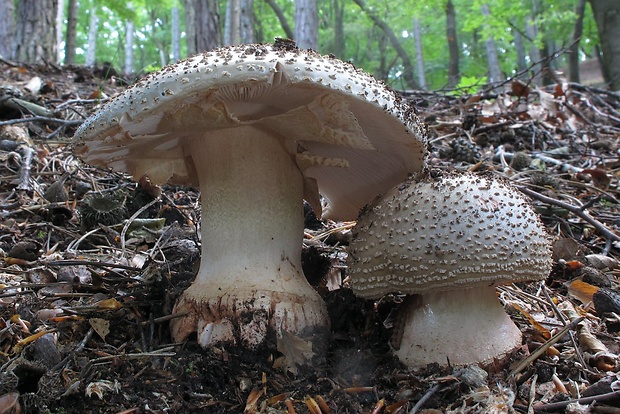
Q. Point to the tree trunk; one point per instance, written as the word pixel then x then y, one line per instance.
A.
pixel 531 29
pixel 339 44
pixel 207 25
pixel 520 49
pixel 60 24
pixel 607 16
pixel 176 34
pixel 573 51
pixel 419 55
pixel 248 19
pixel 495 73
pixel 36 31
pixel 129 47
pixel 71 35
pixel 402 54
pixel 281 18
pixel 190 29
pixel 307 24
pixel 232 23
pixel 7 28
pixel 453 46
pixel 92 38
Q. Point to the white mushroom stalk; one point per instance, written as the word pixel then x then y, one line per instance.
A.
pixel 258 128
pixel 449 241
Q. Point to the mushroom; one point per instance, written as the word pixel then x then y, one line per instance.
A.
pixel 448 241
pixel 258 128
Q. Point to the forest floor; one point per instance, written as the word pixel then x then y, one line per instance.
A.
pixel 86 297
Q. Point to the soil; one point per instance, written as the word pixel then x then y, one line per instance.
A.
pixel 85 302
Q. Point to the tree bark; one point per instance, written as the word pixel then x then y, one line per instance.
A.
pixel 453 46
pixel 519 49
pixel 71 35
pixel 281 18
pixel 248 19
pixel 607 16
pixel 408 75
pixel 7 28
pixel 176 34
pixel 92 38
pixel 307 24
pixel 419 53
pixel 232 26
pixel 495 73
pixel 573 51
pixel 128 69
pixel 207 25
pixel 531 29
pixel 339 44
pixel 60 24
pixel 36 31
pixel 190 29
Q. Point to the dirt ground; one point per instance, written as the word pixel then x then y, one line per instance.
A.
pixel 85 300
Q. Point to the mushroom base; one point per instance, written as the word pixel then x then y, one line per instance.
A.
pixel 250 286
pixel 251 319
pixel 462 327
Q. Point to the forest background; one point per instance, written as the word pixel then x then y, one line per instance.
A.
pixel 424 44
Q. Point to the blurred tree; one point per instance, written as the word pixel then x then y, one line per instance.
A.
pixel 453 45
pixel 306 24
pixel 402 54
pixel 7 28
pixel 35 39
pixel 419 53
pixel 203 16
pixel 607 16
pixel 248 22
pixel 71 32
pixel 176 34
pixel 573 56
pixel 495 72
pixel 91 47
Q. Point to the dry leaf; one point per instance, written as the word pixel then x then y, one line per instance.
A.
pixel 100 387
pixel 541 329
pixel 582 291
pixel 109 304
pixel 296 352
pixel 598 261
pixel 251 404
pixel 101 326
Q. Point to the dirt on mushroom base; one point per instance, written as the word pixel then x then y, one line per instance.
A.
pixel 131 368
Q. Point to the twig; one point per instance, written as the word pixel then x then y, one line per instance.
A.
pixel 560 406
pixel 543 348
pixel 43 119
pixel 77 349
pixel 608 234
pixel 24 178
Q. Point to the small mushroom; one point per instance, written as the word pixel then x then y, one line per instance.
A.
pixel 449 241
pixel 258 128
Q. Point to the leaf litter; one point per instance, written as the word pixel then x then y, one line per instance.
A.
pixel 86 296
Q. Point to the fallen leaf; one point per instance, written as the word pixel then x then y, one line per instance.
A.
pixel 296 352
pixel 101 326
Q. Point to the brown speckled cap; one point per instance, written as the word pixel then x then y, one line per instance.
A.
pixel 452 232
pixel 350 135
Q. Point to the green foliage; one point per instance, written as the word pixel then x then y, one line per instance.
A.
pixel 365 44
pixel 470 85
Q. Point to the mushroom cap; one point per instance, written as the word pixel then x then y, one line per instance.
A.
pixel 350 134
pixel 452 232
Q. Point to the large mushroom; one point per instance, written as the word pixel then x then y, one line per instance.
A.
pixel 448 241
pixel 258 128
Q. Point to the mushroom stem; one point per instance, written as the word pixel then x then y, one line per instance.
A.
pixel 250 283
pixel 461 325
